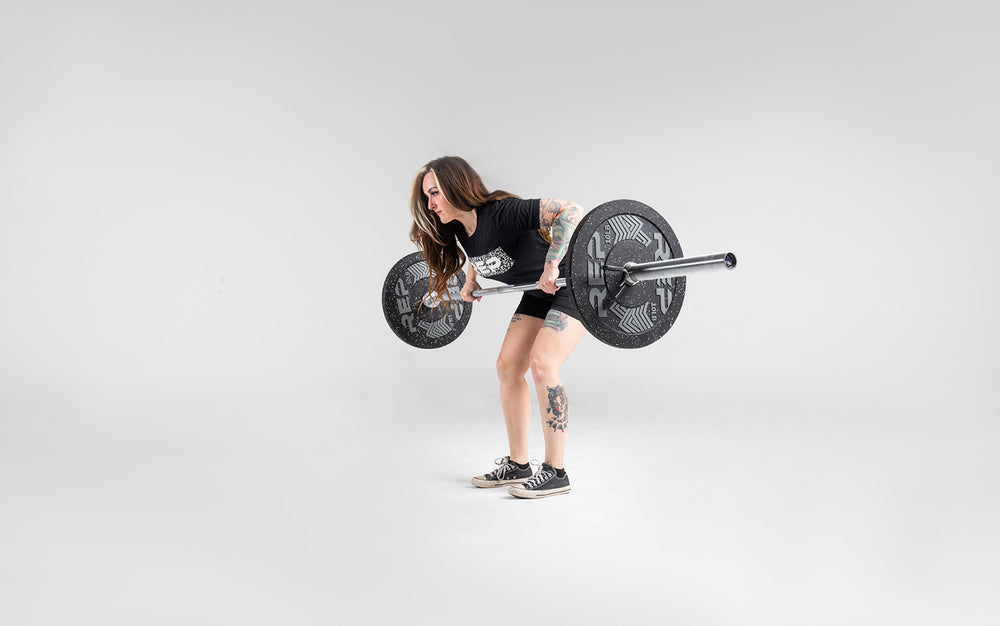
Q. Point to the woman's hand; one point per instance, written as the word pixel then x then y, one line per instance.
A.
pixel 547 282
pixel 467 290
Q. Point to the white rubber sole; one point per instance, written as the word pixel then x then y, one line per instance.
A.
pixel 525 493
pixel 486 484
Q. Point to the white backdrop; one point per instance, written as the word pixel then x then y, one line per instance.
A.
pixel 202 409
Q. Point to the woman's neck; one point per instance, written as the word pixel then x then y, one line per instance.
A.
pixel 469 220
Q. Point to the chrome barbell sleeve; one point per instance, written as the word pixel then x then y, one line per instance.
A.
pixel 636 273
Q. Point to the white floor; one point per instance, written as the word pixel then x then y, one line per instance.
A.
pixel 725 510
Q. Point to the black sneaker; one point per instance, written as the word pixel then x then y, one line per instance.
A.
pixel 507 474
pixel 544 483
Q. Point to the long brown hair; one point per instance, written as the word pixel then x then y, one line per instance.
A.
pixel 462 187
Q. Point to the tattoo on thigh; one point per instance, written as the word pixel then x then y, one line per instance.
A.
pixel 517 318
pixel 558 409
pixel 556 320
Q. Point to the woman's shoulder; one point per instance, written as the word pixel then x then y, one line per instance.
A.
pixel 512 214
pixel 511 203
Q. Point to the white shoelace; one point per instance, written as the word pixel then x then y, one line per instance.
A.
pixel 539 478
pixel 506 465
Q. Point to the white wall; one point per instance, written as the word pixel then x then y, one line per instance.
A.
pixel 199 202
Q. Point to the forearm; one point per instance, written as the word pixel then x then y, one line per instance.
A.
pixel 563 225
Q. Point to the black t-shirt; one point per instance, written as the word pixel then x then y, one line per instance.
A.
pixel 507 246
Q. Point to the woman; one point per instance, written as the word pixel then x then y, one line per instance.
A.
pixel 504 240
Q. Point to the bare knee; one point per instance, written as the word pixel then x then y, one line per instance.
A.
pixel 543 367
pixel 510 368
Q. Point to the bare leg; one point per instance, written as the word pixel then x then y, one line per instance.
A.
pixel 515 398
pixel 557 338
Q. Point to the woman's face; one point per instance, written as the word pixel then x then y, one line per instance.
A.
pixel 436 201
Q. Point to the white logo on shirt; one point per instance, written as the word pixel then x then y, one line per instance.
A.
pixel 492 263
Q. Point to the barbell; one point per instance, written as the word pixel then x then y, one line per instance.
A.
pixel 626 276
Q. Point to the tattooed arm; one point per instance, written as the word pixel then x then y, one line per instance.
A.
pixel 562 217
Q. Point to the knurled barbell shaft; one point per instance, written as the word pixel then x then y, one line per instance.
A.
pixel 455 292
pixel 634 273
pixel 560 282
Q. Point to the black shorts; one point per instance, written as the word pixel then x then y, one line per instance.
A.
pixel 538 303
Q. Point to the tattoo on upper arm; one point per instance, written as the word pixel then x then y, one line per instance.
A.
pixel 572 213
pixel 556 320
pixel 558 409
pixel 550 209
pixel 547 212
pixel 561 218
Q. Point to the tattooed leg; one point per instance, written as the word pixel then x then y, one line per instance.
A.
pixel 556 320
pixel 557 338
pixel 557 412
pixel 514 320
